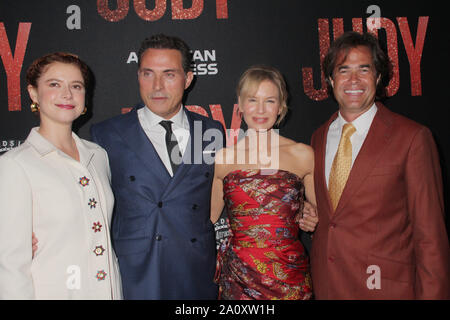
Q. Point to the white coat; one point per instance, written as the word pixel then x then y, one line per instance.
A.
pixel 68 205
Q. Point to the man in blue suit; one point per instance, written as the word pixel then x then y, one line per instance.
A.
pixel 162 171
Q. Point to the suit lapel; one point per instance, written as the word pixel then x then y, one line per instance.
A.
pixel 136 139
pixel 372 149
pixel 320 162
pixel 188 156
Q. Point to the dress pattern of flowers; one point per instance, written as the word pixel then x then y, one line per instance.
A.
pixel 263 258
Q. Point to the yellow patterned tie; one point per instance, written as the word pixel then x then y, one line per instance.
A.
pixel 342 165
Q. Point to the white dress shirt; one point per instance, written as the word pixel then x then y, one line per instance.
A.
pixel 157 134
pixel 362 125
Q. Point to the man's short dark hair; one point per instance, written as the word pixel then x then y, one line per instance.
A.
pixel 350 40
pixel 162 41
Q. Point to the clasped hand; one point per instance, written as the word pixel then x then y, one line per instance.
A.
pixel 308 219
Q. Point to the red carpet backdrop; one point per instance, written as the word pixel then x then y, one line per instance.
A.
pixel 226 37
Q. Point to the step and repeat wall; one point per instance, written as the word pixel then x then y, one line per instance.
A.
pixel 226 37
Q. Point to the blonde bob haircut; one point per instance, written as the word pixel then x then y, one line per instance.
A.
pixel 252 78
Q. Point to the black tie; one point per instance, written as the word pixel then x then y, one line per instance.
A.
pixel 172 146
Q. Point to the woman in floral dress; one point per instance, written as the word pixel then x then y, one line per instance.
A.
pixel 263 181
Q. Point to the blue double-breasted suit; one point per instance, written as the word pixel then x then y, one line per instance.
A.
pixel 161 228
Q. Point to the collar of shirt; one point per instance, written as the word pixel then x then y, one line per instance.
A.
pixel 44 147
pixel 361 124
pixel 155 131
pixel 180 125
pixel 179 120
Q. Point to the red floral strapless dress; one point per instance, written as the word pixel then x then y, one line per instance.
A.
pixel 264 258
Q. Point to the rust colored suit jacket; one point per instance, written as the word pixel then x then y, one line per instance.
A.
pixel 387 237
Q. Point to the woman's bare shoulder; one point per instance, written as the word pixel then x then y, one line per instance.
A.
pixel 296 148
pixel 297 157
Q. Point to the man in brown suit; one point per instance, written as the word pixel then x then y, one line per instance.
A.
pixel 378 187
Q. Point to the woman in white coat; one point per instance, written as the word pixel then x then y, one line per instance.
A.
pixel 57 186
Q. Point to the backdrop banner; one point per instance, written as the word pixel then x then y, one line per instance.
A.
pixel 226 37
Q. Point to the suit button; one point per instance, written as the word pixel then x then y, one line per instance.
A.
pixel 193 240
pixel 132 178
pixel 333 225
pixel 331 258
pixel 194 207
pixel 160 204
pixel 158 237
pixel 207 174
